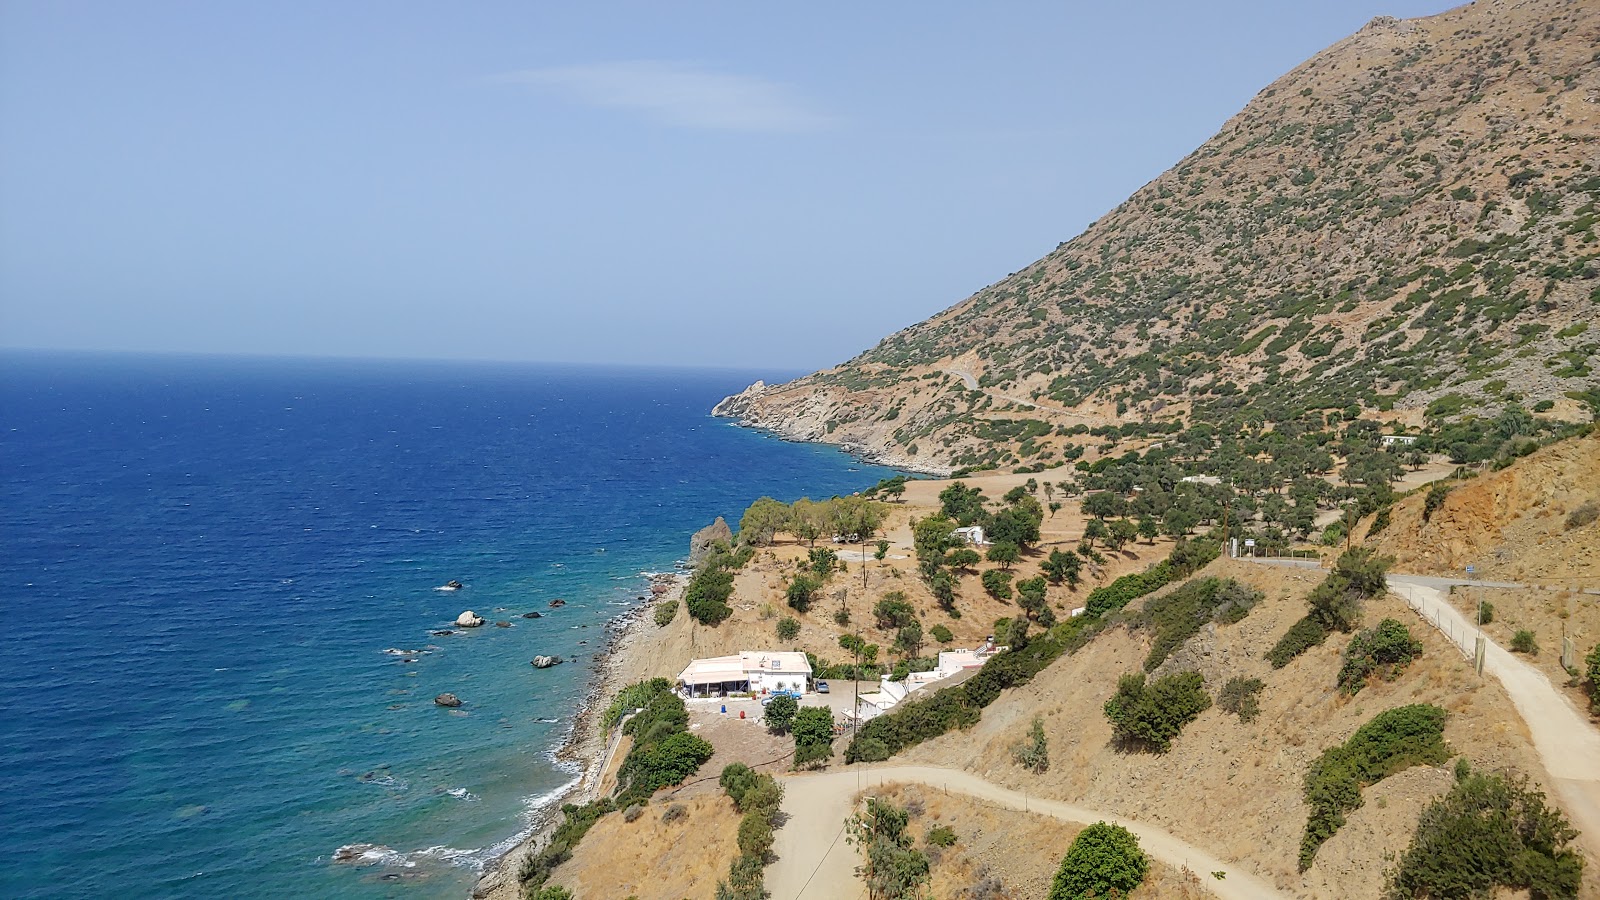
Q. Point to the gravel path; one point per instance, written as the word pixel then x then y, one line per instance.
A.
pixel 814 861
pixel 1568 745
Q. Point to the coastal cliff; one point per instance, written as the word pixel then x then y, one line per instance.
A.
pixel 825 415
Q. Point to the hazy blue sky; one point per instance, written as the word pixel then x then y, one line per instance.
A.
pixel 707 183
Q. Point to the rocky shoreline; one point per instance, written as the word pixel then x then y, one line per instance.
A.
pixel 622 661
pixel 803 420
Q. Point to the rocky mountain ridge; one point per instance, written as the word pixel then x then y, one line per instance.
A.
pixel 1405 223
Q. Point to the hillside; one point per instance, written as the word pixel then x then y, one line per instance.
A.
pixel 1253 771
pixel 1406 222
pixel 1516 524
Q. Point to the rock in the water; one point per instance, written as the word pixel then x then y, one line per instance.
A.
pixel 701 543
pixel 443 632
pixel 449 700
pixel 557 603
pixel 545 662
pixel 533 615
pixel 502 624
pixel 469 619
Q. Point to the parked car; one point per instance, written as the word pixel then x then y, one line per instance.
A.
pixel 822 687
pixel 776 694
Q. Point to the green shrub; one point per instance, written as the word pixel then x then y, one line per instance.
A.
pixel 822 561
pixel 780 713
pixel 802 590
pixel 1148 716
pixel 553 892
pixel 896 871
pixel 941 634
pixel 997 584
pixel 755 836
pixel 813 734
pixel 1335 603
pixel 788 629
pixel 942 836
pixel 707 594
pixel 1033 753
pixel 666 763
pixel 1384 650
pixel 1592 675
pixel 1304 634
pixel 1394 740
pixel 575 823
pixel 1103 861
pixel 1240 697
pixel 665 613
pixel 758 796
pixel 894 611
pixel 632 697
pixel 1179 615
pixel 1485 612
pixel 1524 642
pixel 1490 831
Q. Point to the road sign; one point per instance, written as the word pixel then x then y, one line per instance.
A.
pixel 1250 542
pixel 1469 570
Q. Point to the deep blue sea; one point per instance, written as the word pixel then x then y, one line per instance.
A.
pixel 203 562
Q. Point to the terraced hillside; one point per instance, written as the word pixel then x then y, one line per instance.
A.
pixel 1407 223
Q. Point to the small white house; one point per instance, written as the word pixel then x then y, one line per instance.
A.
pixel 753 671
pixel 971 534
pixel 1404 440
pixel 1201 479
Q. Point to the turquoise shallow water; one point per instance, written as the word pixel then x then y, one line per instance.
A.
pixel 206 560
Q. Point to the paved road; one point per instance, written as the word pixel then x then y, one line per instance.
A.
pixel 1567 744
pixel 815 863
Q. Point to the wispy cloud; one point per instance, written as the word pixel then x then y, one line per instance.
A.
pixel 680 94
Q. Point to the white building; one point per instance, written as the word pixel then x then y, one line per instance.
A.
pixel 1404 440
pixel 972 534
pixel 752 671
pixel 951 662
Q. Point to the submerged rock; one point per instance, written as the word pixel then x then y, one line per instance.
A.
pixel 469 619
pixel 533 615
pixel 557 603
pixel 443 632
pixel 448 700
pixel 502 624
pixel 545 662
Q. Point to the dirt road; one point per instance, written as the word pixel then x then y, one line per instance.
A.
pixel 1568 745
pixel 815 863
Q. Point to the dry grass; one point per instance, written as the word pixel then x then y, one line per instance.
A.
pixel 654 860
pixel 1253 772
pixel 1020 850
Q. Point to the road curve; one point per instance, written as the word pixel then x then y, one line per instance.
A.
pixel 815 863
pixel 1567 744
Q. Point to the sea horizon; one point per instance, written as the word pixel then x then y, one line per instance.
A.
pixel 229 567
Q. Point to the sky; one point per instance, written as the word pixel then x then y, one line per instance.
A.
pixel 754 185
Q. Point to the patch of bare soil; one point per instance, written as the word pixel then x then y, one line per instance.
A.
pixel 1003 854
pixel 1509 525
pixel 1236 788
pixel 652 858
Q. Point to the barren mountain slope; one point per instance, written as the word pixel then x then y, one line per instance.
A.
pixel 1236 788
pixel 1409 215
